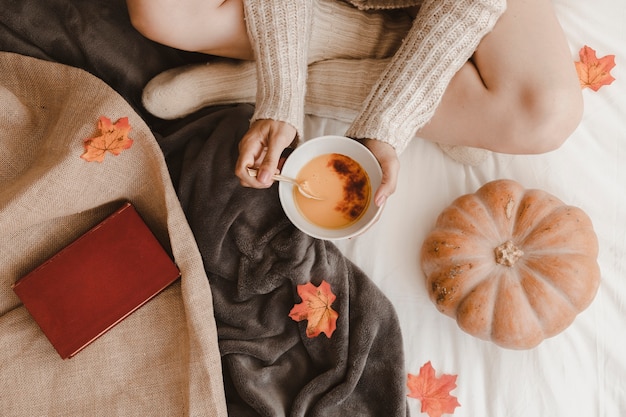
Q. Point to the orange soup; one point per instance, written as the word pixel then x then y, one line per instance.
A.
pixel 343 185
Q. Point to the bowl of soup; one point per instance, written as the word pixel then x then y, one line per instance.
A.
pixel 344 174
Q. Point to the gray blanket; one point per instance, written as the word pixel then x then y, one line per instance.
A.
pixel 254 259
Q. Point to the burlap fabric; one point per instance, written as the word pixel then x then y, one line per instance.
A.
pixel 163 360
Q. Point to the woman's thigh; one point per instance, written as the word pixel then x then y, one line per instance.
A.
pixel 214 27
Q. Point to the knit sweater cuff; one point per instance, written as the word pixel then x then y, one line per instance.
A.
pixel 443 37
pixel 275 29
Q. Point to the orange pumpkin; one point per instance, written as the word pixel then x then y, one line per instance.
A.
pixel 511 265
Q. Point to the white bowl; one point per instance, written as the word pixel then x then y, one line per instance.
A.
pixel 321 146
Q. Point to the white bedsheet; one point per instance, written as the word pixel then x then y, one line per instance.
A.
pixel 582 371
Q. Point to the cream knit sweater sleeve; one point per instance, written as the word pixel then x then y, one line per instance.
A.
pixel 443 37
pixel 279 31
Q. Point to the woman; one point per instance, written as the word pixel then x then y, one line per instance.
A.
pixel 485 74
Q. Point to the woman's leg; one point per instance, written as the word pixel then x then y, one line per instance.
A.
pixel 215 27
pixel 519 93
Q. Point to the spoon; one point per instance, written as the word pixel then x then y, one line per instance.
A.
pixel 303 186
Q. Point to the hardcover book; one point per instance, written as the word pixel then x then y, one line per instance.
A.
pixel 96 281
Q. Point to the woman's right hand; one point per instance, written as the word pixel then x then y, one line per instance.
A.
pixel 261 147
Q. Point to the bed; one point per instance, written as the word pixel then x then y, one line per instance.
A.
pixel 219 340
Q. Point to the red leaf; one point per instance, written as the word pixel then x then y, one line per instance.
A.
pixel 316 309
pixel 113 138
pixel 434 393
pixel 594 72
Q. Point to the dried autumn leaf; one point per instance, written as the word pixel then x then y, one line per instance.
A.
pixel 594 72
pixel 316 309
pixel 113 138
pixel 434 393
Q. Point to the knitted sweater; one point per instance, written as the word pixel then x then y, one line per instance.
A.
pixel 443 36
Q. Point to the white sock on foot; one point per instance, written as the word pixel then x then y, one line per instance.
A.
pixel 180 91
pixel 465 154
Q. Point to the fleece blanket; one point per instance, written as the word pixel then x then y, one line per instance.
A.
pixel 161 360
pixel 253 257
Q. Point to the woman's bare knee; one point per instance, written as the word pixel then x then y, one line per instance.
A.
pixel 209 26
pixel 562 113
pixel 543 119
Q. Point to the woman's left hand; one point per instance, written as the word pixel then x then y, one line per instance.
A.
pixel 390 165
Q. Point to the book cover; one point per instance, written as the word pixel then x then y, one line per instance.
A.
pixel 96 281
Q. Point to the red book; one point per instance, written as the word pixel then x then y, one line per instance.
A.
pixel 96 281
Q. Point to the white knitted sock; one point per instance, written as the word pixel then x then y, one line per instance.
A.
pixel 180 91
pixel 465 154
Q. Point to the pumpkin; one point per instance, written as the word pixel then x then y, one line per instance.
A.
pixel 512 265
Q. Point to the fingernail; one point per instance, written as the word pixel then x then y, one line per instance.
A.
pixel 264 177
pixel 380 200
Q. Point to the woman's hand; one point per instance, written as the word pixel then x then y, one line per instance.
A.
pixel 266 139
pixel 261 147
pixel 390 165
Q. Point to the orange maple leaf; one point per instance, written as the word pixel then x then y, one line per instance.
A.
pixel 434 393
pixel 113 138
pixel 594 72
pixel 316 309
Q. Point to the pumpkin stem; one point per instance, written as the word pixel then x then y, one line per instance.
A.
pixel 507 253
